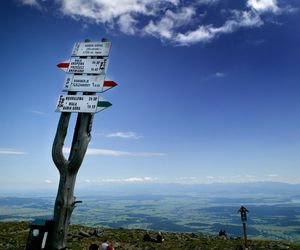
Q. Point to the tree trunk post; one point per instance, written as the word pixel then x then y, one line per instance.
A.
pixel 65 201
pixel 68 169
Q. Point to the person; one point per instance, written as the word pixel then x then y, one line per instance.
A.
pixel 104 245
pixel 222 234
pixel 111 246
pixel 159 238
pixel 147 237
pixel 94 247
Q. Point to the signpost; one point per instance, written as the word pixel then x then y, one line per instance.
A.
pixel 81 104
pixel 91 49
pixel 85 73
pixel 243 211
pixel 87 83
pixel 85 65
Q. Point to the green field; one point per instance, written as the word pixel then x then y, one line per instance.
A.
pixel 168 213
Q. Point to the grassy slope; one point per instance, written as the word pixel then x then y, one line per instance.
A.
pixel 13 235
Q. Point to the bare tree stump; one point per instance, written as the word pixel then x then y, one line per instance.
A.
pixel 68 169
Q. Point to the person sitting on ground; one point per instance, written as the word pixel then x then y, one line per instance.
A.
pixel 111 246
pixel 104 245
pixel 159 238
pixel 147 237
pixel 94 247
pixel 222 234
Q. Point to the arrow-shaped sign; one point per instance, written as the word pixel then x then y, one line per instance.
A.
pixel 84 65
pixel 87 83
pixel 81 103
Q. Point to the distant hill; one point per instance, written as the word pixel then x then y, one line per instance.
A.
pixel 235 190
pixel 13 236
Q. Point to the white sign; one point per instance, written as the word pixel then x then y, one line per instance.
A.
pixel 88 66
pixel 81 103
pixel 91 49
pixel 84 83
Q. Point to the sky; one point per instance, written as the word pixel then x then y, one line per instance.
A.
pixel 208 90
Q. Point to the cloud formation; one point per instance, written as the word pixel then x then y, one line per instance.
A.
pixel 176 22
pixel 128 180
pixel 264 5
pixel 116 153
pixel 11 151
pixel 36 112
pixel 32 3
pixel 220 74
pixel 125 135
pixel 190 180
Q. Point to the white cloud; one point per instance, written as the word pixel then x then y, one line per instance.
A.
pixel 105 11
pixel 250 176
pixel 116 153
pixel 30 2
pixel 140 179
pixel 38 112
pixel 33 3
pixel 264 5
pixel 273 175
pixel 164 28
pixel 124 180
pixel 232 179
pixel 202 34
pixel 187 180
pixel 205 33
pixel 165 23
pixel 219 74
pixel 172 21
pixel 11 151
pixel 125 135
pixel 48 181
pixel 127 24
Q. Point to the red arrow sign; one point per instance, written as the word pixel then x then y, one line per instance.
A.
pixel 84 81
pixel 87 83
pixel 64 65
pixel 108 85
pixel 84 65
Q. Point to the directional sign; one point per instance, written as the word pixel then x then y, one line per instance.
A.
pixel 84 65
pixel 87 83
pixel 91 49
pixel 81 103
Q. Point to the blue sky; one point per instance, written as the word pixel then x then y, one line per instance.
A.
pixel 209 90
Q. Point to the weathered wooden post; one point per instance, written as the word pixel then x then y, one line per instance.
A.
pixel 85 73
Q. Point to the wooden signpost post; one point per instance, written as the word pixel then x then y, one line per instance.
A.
pixel 243 211
pixel 85 73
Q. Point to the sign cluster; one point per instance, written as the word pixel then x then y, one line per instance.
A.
pixel 86 72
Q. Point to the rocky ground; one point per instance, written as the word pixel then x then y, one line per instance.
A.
pixel 13 235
